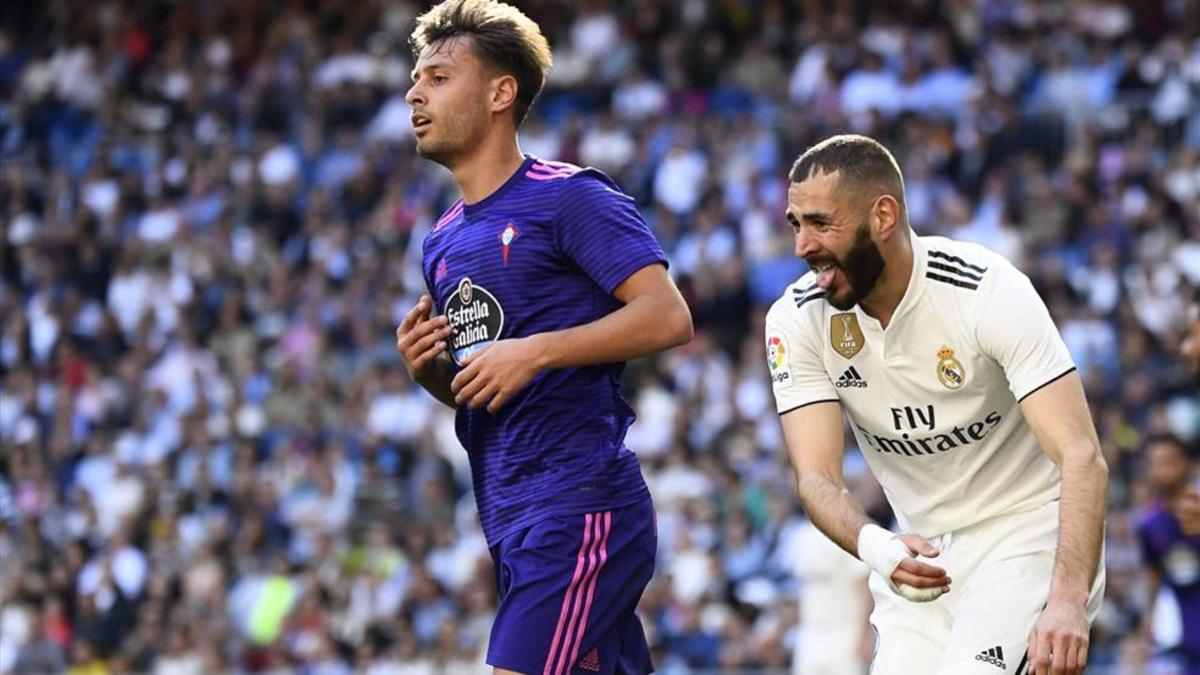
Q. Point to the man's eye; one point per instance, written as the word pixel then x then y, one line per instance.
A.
pixel 439 78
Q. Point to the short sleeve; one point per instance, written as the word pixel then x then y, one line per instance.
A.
pixel 1014 328
pixel 600 229
pixel 798 376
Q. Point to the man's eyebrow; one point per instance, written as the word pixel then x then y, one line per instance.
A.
pixel 428 67
pixel 817 216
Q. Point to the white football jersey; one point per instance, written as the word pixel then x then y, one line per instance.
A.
pixel 933 399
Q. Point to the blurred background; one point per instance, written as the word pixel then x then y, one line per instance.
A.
pixel 212 220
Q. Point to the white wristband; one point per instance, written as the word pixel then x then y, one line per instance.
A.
pixel 883 552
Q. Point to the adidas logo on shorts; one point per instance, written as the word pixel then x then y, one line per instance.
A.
pixel 994 656
pixel 850 378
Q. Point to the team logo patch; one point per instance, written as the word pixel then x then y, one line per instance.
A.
pixel 476 318
pixel 845 336
pixel 507 236
pixel 950 370
pixel 777 355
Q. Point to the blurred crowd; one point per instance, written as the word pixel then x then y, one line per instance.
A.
pixel 212 221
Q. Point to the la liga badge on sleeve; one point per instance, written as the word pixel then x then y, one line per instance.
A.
pixel 777 356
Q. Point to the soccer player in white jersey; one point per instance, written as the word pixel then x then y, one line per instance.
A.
pixel 966 405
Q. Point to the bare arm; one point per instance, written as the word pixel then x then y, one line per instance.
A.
pixel 1059 416
pixel 654 317
pixel 814 439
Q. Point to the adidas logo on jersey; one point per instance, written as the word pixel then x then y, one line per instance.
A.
pixel 850 378
pixel 994 656
pixel 590 662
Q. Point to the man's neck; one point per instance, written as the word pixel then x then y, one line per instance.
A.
pixel 486 169
pixel 889 290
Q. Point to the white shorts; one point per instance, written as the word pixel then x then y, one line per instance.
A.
pixel 1000 573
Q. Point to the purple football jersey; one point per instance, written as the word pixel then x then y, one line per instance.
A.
pixel 542 253
pixel 1176 557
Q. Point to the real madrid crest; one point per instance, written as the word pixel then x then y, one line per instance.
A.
pixel 845 336
pixel 950 370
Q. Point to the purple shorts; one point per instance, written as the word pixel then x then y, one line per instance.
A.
pixel 569 586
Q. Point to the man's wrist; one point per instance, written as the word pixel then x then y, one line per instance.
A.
pixel 543 349
pixel 1068 594
pixel 870 541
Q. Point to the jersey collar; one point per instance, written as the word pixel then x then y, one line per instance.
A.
pixel 916 284
pixel 479 206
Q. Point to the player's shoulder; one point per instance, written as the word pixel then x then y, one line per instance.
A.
pixel 450 216
pixel 557 176
pixel 575 184
pixel 802 299
pixel 964 267
pixel 550 172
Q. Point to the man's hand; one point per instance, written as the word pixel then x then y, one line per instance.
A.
pixel 421 339
pixel 893 556
pixel 1058 644
pixel 916 573
pixel 493 375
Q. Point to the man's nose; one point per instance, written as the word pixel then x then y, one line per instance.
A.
pixel 415 96
pixel 806 244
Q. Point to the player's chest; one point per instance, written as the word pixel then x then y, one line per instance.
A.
pixel 916 377
pixel 487 274
pixel 502 256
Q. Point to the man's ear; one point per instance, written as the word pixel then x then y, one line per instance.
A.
pixel 504 93
pixel 886 214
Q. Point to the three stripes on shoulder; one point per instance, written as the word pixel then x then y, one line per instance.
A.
pixel 939 266
pixel 950 269
pixel 803 296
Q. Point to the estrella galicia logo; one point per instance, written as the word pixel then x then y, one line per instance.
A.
pixel 476 318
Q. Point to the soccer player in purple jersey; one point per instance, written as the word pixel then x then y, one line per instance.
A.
pixel 1169 532
pixel 543 279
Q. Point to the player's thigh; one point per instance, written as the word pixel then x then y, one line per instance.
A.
pixel 997 611
pixel 909 636
pixel 995 614
pixel 568 591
